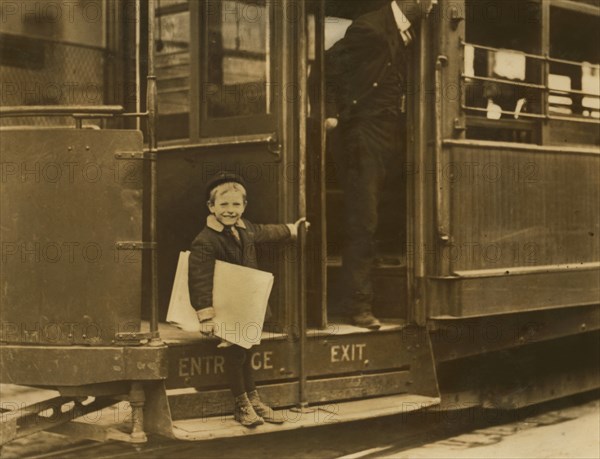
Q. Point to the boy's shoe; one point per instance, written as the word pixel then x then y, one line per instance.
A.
pixel 264 411
pixel 244 413
pixel 366 320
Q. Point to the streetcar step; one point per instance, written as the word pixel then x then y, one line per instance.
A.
pixel 226 426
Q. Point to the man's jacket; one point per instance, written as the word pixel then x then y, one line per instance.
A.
pixel 356 65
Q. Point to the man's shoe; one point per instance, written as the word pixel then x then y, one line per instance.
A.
pixel 244 413
pixel 366 320
pixel 264 411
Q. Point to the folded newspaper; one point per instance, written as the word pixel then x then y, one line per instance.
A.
pixel 240 297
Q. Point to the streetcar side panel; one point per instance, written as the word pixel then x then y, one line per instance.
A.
pixel 524 229
pixel 515 197
pixel 72 243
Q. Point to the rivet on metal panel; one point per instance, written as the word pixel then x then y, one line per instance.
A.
pixel 84 336
pixel 458 125
pixel 87 147
pixel 70 148
pixel 366 362
pixel 583 326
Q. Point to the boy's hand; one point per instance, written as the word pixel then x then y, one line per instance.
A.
pixel 207 327
pixel 298 222
pixel 293 227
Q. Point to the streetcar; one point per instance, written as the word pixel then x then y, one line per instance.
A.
pixel 488 268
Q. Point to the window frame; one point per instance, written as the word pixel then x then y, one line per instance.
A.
pixel 183 118
pixel 539 124
pixel 202 128
pixel 235 125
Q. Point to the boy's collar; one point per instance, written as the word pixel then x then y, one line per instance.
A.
pixel 214 224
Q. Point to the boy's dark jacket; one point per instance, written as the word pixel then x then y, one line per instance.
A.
pixel 213 243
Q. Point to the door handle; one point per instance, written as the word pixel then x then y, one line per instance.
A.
pixel 274 146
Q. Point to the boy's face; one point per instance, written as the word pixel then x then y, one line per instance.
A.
pixel 228 207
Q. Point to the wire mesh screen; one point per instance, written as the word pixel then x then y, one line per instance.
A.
pixel 44 72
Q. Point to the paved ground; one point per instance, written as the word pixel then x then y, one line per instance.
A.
pixel 567 433
pixel 565 429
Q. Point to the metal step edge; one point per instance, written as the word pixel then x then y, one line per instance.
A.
pixel 226 427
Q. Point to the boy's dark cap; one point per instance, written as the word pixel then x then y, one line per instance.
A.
pixel 223 177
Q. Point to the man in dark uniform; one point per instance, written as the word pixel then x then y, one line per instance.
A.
pixel 366 74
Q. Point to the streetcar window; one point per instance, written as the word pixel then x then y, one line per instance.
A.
pixel 238 75
pixel 49 56
pixel 517 73
pixel 335 29
pixel 574 77
pixel 172 51
pixel 501 79
pixel 590 84
pixel 214 68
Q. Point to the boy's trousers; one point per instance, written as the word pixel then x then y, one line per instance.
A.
pixel 238 367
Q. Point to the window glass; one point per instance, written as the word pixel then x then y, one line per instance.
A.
pixel 502 78
pixel 574 77
pixel 53 56
pixel 510 84
pixel 172 51
pixel 238 76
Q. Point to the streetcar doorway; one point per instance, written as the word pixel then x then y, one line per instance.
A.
pixel 329 206
pixel 388 271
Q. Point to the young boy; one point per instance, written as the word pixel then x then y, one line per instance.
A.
pixel 229 238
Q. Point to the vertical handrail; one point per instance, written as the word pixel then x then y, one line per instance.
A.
pixel 138 76
pixel 440 204
pixel 302 100
pixel 151 102
pixel 319 67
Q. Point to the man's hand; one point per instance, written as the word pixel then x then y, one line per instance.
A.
pixel 207 328
pixel 331 123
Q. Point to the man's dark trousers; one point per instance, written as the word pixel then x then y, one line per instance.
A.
pixel 372 145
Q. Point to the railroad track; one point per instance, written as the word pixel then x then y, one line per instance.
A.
pixel 363 439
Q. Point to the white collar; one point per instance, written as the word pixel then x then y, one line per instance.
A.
pixel 214 224
pixel 401 20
